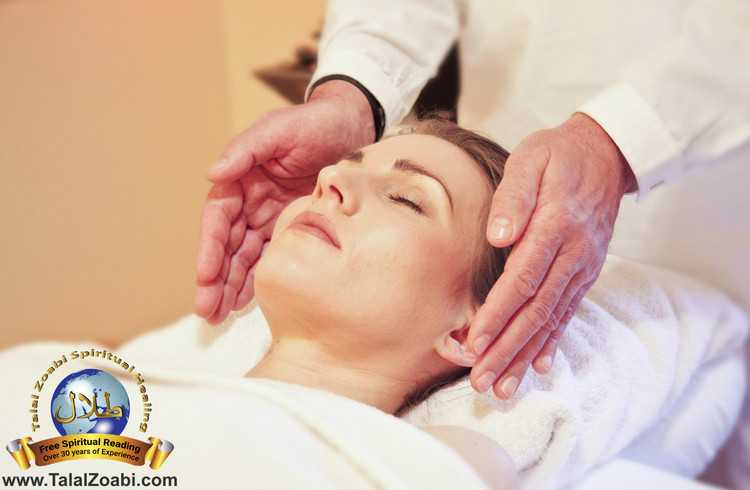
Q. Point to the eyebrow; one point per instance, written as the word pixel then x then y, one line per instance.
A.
pixel 408 166
pixel 355 156
pixel 412 167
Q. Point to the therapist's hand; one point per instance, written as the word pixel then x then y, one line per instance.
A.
pixel 265 167
pixel 557 204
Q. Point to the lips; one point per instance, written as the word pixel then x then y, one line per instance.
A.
pixel 318 225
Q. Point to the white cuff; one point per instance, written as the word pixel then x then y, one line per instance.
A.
pixel 369 74
pixel 639 133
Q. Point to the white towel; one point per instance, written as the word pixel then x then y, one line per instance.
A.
pixel 639 338
pixel 622 474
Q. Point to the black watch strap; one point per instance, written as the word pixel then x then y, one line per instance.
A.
pixel 378 114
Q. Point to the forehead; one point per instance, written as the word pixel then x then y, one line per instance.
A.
pixel 464 178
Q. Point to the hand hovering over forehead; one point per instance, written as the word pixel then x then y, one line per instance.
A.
pixel 273 162
pixel 556 204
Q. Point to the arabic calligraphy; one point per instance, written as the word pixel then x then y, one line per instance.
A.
pixel 93 411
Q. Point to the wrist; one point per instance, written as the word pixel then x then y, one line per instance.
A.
pixel 353 103
pixel 597 139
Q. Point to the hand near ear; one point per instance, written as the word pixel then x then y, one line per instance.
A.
pixel 557 205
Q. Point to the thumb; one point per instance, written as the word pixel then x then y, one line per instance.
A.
pixel 252 147
pixel 516 195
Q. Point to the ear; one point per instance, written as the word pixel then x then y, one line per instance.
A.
pixel 452 345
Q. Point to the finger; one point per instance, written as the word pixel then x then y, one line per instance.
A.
pixel 546 356
pixel 236 274
pixel 236 235
pixel 248 289
pixel 209 296
pixel 574 304
pixel 543 361
pixel 215 318
pixel 241 262
pixel 550 347
pixel 227 300
pixel 515 197
pixel 212 245
pixel 247 292
pixel 253 146
pixel 525 324
pixel 508 382
pixel 249 252
pixel 245 260
pixel 523 273
pixel 222 209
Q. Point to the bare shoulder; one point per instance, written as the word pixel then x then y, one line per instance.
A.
pixel 491 462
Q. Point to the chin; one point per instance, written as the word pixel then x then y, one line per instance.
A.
pixel 287 284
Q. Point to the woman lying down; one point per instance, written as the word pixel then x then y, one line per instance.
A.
pixel 368 287
pixel 370 283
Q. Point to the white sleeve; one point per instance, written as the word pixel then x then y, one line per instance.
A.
pixel 392 47
pixel 687 103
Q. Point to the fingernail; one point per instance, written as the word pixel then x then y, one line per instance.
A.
pixel 485 381
pixel 501 228
pixel 481 344
pixel 545 363
pixel 509 386
pixel 222 163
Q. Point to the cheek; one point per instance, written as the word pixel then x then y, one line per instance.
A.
pixel 410 272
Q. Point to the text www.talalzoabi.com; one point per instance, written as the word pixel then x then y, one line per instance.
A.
pixel 90 479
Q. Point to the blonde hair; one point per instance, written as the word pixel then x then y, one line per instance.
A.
pixel 489 261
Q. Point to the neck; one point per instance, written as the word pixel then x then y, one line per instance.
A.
pixel 373 381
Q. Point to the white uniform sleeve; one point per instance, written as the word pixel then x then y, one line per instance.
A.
pixel 684 104
pixel 392 47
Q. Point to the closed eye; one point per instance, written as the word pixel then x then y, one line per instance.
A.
pixel 407 202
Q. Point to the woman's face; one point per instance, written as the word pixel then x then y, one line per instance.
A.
pixel 405 217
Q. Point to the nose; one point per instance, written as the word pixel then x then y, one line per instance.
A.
pixel 337 185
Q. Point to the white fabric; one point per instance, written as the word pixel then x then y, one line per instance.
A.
pixel 731 468
pixel 232 432
pixel 710 402
pixel 622 474
pixel 648 348
pixel 367 39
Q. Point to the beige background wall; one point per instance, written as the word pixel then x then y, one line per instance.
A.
pixel 110 114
